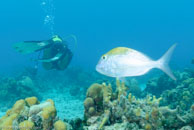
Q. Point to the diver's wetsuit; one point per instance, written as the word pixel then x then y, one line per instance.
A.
pixel 66 53
pixel 63 61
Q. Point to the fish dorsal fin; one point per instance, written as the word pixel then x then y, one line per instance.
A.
pixel 119 50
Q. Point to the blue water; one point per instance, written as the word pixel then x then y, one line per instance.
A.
pixel 149 26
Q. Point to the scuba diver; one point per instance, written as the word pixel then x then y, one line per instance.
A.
pixel 56 54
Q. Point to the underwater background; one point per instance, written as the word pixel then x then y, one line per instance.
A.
pixel 148 26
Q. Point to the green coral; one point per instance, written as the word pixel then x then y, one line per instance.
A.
pixel 181 96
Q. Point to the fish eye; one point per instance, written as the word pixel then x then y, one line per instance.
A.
pixel 103 57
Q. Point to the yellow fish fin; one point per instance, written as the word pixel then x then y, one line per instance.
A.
pixel 119 50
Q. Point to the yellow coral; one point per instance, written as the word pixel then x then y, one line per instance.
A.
pixel 18 106
pixel 138 111
pixel 48 112
pixel 3 119
pixel 148 100
pixel 7 122
pixel 133 99
pixel 121 88
pixel 107 92
pixel 156 101
pixel 153 100
pixel 130 97
pixel 148 127
pixel 60 125
pixel 8 112
pixel 105 119
pixel 26 125
pixel 31 101
pixel 51 101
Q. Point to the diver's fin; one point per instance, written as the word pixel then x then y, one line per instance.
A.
pixel 162 63
pixel 56 57
pixel 27 47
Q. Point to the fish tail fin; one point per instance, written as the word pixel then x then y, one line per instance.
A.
pixel 162 63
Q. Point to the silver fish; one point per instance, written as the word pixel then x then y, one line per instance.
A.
pixel 125 62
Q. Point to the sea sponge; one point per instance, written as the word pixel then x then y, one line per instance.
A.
pixel 31 101
pixel 60 125
pixel 26 125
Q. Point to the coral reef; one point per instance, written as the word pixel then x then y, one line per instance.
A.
pixel 156 86
pixel 25 115
pixel 60 125
pixel 133 86
pixel 26 125
pixel 12 89
pixel 164 105
pixel 174 93
pixel 118 111
pixel 105 109
pixel 182 95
